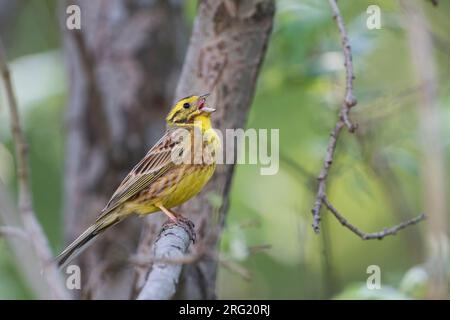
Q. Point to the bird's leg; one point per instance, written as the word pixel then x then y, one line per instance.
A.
pixel 177 219
pixel 171 215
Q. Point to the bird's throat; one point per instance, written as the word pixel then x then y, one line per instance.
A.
pixel 203 122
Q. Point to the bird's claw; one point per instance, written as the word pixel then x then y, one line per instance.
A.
pixel 183 222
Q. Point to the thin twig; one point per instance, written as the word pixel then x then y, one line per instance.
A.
pixel 374 235
pixel 32 227
pixel 258 248
pixel 237 268
pixel 349 100
pixel 322 178
pixel 6 231
pixel 234 267
pixel 344 120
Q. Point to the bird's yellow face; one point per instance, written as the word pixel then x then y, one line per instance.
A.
pixel 189 110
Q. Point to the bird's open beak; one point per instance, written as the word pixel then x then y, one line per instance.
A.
pixel 202 104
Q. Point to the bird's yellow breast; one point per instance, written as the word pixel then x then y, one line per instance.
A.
pixel 181 183
pixel 191 184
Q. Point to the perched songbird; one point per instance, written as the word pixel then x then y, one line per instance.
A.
pixel 175 169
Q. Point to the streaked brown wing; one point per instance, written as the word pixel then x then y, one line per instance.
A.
pixel 156 162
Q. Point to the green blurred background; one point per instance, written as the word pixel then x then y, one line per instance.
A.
pixel 299 91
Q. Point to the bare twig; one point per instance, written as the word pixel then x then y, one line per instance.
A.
pixel 349 100
pixel 6 231
pixel 344 121
pixel 258 248
pixel 344 118
pixel 375 235
pixel 31 224
pixel 322 178
pixel 172 244
pixel 234 267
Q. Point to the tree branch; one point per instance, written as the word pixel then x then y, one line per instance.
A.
pixel 28 217
pixel 344 120
pixel 350 100
pixel 22 250
pixel 8 231
pixel 171 245
pixel 191 258
pixel 322 178
pixel 375 235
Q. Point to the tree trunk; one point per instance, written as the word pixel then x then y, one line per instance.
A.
pixel 123 66
pixel 8 13
pixel 434 173
pixel 227 47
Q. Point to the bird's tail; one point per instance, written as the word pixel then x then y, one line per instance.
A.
pixel 85 239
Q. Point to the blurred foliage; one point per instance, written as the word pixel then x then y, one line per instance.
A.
pixel 299 91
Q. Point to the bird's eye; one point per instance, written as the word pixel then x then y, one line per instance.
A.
pixel 186 105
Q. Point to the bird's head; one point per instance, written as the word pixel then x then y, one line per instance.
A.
pixel 188 110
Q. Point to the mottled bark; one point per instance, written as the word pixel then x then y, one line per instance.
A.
pixel 123 66
pixel 227 47
pixel 169 255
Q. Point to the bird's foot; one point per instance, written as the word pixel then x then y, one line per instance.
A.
pixel 183 222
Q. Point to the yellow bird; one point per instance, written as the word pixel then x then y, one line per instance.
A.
pixel 175 169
